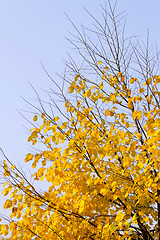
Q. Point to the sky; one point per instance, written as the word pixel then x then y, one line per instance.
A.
pixel 35 31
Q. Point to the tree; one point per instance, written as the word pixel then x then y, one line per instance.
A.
pixel 100 149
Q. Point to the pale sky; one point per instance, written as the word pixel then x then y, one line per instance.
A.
pixel 33 31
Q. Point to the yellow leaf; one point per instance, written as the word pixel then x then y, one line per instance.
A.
pixel 101 85
pixel 137 114
pixel 134 218
pixel 28 157
pixel 149 81
pixel 5 184
pixel 76 77
pixel 66 104
pixel 111 113
pixel 35 118
pixel 119 74
pixel 71 89
pixel 106 68
pixel 103 191
pixel 13 166
pixel 140 165
pixel 40 171
pixel 81 206
pixel 103 77
pixel 42 115
pixel 132 80
pixel 107 112
pixel 141 90
pixel 122 78
pixel 119 217
pixel 87 93
pixel 8 204
pixel 56 119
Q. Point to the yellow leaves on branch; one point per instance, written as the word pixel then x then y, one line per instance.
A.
pixel 148 81
pixel 76 77
pixel 6 169
pixel 87 93
pixel 137 114
pixel 119 74
pixel 157 80
pixel 99 163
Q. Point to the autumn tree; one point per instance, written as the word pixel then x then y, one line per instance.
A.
pixel 99 145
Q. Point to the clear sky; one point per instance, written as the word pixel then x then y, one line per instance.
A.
pixel 33 31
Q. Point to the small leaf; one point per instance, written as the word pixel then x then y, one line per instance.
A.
pixel 35 118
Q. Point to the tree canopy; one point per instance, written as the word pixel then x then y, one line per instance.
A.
pixel 98 145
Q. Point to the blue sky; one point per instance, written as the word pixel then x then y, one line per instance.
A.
pixel 33 31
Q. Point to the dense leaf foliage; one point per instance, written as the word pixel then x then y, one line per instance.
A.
pixel 100 154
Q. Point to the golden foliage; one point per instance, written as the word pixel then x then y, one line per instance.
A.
pixel 100 158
